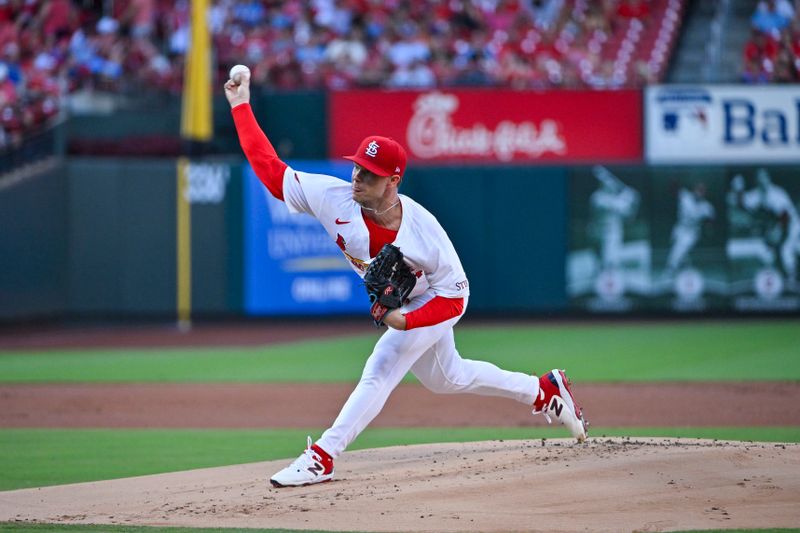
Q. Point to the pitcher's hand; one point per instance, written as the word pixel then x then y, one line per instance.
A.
pixel 238 93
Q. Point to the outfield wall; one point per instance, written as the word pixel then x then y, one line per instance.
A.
pixel 678 219
pixel 34 248
pixel 98 238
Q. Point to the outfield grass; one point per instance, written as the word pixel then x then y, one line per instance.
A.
pixel 41 457
pixel 693 351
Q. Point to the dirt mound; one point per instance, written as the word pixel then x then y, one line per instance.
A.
pixel 554 485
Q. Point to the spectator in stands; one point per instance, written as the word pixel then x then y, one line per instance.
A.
pixel 348 51
pixel 790 41
pixel 249 13
pixel 10 123
pixel 501 16
pixel 760 53
pixel 139 16
pixel 376 70
pixel 753 72
pixel 785 70
pixel 772 16
pixel 8 91
pixel 10 58
pixel 515 71
pixel 473 74
pixel 760 47
pixel 57 18
pixel 417 75
pixel 545 13
pixel 405 50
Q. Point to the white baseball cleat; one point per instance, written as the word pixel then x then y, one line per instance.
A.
pixel 311 467
pixel 555 399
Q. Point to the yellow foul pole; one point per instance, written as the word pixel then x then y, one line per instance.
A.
pixel 196 127
pixel 184 246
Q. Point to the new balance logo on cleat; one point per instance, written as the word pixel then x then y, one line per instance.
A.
pixel 311 467
pixel 556 406
pixel 555 398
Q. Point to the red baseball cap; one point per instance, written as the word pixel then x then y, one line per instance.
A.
pixel 380 155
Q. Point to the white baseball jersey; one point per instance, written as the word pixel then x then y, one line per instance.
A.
pixel 424 243
pixel 692 210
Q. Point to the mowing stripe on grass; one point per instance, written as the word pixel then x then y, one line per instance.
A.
pixel 41 457
pixel 692 351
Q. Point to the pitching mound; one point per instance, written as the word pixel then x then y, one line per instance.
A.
pixel 555 485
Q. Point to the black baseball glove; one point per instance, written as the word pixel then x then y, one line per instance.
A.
pixel 389 281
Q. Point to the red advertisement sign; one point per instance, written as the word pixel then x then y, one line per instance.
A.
pixel 493 126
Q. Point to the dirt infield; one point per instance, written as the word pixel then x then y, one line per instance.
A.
pixel 605 485
pixel 316 405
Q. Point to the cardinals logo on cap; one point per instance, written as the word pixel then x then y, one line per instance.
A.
pixel 372 149
pixel 383 156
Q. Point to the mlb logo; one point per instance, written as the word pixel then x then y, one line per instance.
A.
pixel 687 121
pixel 670 121
pixel 684 111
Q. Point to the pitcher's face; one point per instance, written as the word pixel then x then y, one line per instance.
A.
pixel 368 188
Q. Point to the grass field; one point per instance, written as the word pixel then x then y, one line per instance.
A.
pixel 702 351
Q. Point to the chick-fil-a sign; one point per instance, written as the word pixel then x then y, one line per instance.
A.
pixel 500 126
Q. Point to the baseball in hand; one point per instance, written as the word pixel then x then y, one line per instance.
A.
pixel 238 72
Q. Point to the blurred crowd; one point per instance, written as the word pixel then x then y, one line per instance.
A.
pixel 49 48
pixel 396 43
pixel 772 54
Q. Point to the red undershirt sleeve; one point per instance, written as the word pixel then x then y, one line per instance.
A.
pixel 259 151
pixel 435 311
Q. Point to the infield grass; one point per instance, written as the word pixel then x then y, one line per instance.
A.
pixel 618 352
pixel 41 457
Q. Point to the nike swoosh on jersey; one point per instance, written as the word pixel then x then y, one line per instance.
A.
pixel 340 222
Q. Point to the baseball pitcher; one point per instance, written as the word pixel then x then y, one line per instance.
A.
pixel 415 282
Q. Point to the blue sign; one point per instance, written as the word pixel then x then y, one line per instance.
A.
pixel 291 265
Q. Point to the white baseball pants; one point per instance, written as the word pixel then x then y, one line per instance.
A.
pixel 430 354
